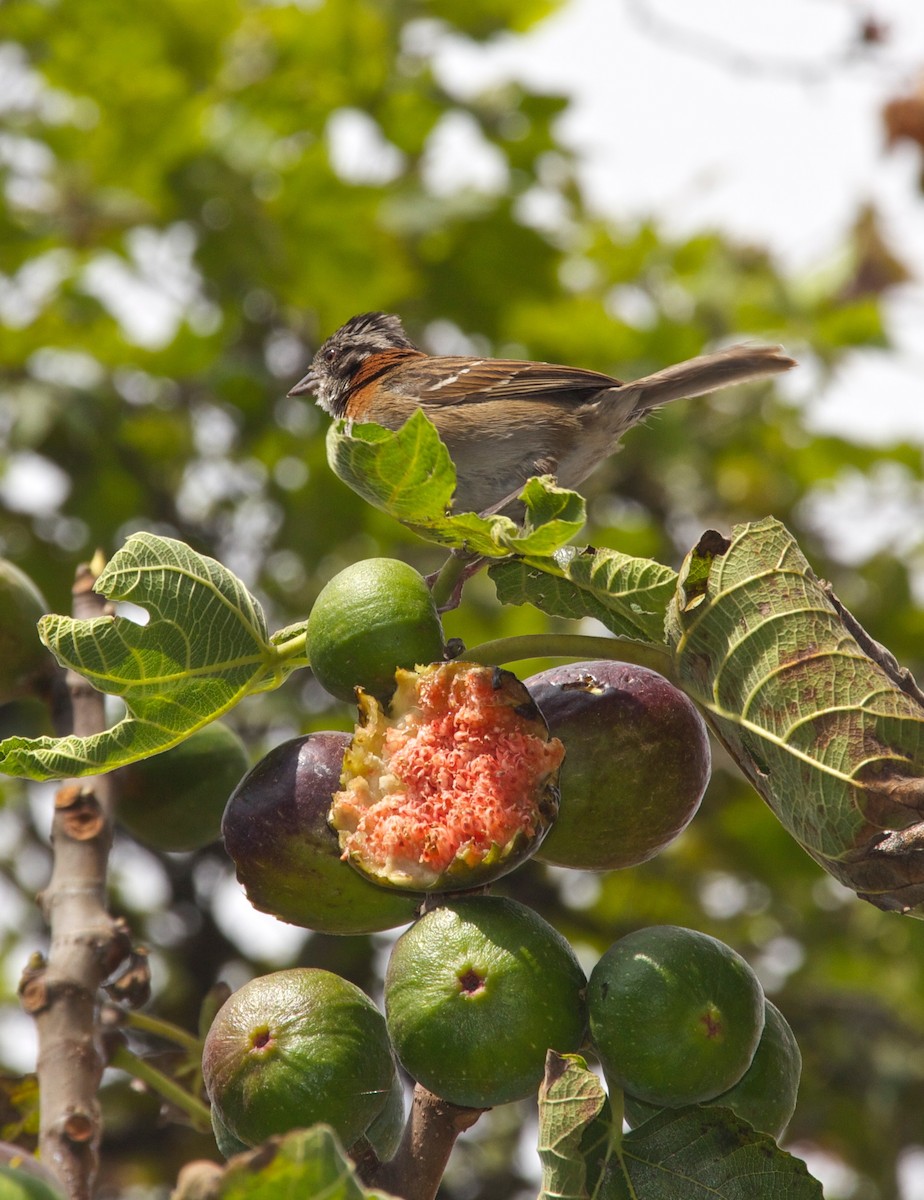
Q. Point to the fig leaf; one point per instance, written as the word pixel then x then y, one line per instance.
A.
pixel 678 1152
pixel 628 595
pixel 306 1162
pixel 822 721
pixel 409 475
pixel 203 649
pixel 575 1127
pixel 691 1151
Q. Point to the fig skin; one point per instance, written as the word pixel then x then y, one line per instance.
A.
pixel 23 1177
pixel 26 666
pixel 637 762
pixel 174 800
pixel 765 1095
pixel 675 1015
pixel 287 856
pixel 293 1048
pixel 374 616
pixel 476 992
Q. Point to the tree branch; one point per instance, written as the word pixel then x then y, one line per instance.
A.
pixel 86 946
pixel 867 37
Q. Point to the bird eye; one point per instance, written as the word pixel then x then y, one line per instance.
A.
pixel 330 354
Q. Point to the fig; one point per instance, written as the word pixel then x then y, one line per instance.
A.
pixel 23 1177
pixel 25 664
pixel 765 1095
pixel 675 1015
pixel 293 1048
pixel 476 992
pixel 385 1132
pixel 287 856
pixel 637 762
pixel 228 1145
pixel 454 788
pixel 375 616
pixel 174 800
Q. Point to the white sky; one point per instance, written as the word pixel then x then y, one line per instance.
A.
pixel 674 130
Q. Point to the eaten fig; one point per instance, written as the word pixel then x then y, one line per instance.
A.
pixel 454 788
pixel 25 664
pixel 765 1095
pixel 373 617
pixel 637 762
pixel 476 992
pixel 293 1048
pixel 174 800
pixel 675 1015
pixel 287 856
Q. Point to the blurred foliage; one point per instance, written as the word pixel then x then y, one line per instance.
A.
pixel 193 195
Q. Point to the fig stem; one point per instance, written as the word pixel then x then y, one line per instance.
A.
pixel 290 647
pixel 446 584
pixel 138 1068
pixel 429 1136
pixel 164 1029
pixel 572 645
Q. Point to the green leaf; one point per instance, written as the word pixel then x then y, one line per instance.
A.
pixel 410 475
pixel 628 595
pixel 204 648
pixel 575 1128
pixel 703 1154
pixel 826 726
pixel 304 1163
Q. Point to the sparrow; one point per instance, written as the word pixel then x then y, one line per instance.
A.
pixel 504 420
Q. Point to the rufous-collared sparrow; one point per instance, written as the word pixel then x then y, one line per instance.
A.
pixel 503 420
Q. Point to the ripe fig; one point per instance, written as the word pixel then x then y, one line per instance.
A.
pixel 375 616
pixel 25 664
pixel 293 1048
pixel 675 1015
pixel 765 1095
pixel 637 762
pixel 453 788
pixel 476 992
pixel 287 856
pixel 174 800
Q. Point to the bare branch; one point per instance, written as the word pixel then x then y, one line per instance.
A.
pixel 869 36
pixel 86 947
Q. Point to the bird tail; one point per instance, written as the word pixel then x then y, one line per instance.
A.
pixel 697 376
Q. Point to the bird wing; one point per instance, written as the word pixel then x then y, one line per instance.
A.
pixel 458 380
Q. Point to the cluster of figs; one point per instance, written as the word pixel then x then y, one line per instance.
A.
pixel 455 774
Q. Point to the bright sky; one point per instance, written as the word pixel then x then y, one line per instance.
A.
pixel 747 117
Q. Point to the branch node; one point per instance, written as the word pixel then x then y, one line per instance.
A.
pixel 33 991
pixel 79 1127
pixel 81 817
pixel 132 986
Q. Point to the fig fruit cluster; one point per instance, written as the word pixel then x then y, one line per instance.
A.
pixel 454 775
pixel 477 990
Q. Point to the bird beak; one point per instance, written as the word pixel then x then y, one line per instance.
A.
pixel 306 386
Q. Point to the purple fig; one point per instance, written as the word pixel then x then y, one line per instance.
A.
pixel 288 857
pixel 637 762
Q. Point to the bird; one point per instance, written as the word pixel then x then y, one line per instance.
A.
pixel 506 420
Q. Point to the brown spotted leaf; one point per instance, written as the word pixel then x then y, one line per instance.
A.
pixel 820 718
